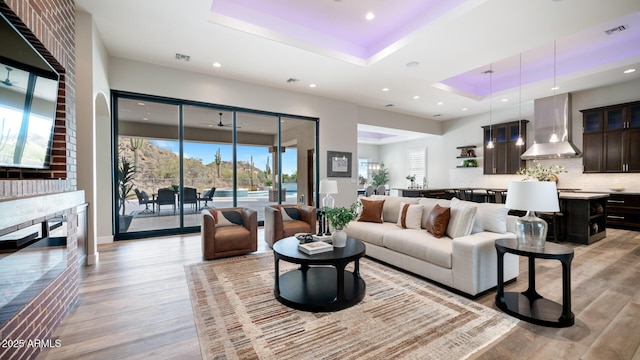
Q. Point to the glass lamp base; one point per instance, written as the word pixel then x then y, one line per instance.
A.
pixel 531 231
pixel 328 201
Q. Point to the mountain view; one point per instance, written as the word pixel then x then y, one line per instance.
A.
pixel 158 167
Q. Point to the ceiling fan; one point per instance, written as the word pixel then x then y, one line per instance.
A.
pixel 220 124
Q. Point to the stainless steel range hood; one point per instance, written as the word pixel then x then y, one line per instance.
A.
pixel 552 114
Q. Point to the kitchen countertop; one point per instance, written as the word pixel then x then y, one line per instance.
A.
pixel 582 195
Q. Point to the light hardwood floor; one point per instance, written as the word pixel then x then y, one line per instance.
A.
pixel 135 305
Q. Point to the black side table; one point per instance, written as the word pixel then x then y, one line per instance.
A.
pixel 529 305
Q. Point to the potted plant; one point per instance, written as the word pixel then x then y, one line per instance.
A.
pixel 411 178
pixel 540 173
pixel 339 218
pixel 380 177
pixel 126 173
pixel 470 163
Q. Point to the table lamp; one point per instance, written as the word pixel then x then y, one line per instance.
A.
pixel 532 196
pixel 328 187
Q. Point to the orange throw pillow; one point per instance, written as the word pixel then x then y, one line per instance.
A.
pixel 438 220
pixel 371 211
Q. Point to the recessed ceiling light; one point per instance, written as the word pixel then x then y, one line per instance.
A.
pixel 413 64
pixel 385 89
pixel 629 71
pixel 440 103
pixel 505 100
pixel 416 97
pixel 145 118
pixel 464 109
pixel 141 103
pixel 217 64
pixel 312 85
pixel 370 16
pixel 555 88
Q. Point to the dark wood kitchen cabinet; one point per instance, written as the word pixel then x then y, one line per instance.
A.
pixel 504 158
pixel 611 136
pixel 623 211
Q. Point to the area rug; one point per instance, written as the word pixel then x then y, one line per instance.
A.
pixel 400 317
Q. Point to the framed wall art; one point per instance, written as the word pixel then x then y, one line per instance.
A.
pixel 338 164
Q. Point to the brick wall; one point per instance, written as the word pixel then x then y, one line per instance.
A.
pixel 49 26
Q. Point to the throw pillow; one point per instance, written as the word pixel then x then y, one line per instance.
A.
pixel 290 213
pixel 490 217
pixel 371 211
pixel 410 216
pixel 438 220
pixel 463 214
pixel 227 217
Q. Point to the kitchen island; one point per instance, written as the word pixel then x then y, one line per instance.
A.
pixel 585 216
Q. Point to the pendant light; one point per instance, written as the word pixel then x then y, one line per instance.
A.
pixel 490 143
pixel 554 136
pixel 520 141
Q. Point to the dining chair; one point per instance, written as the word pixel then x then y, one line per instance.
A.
pixel 369 190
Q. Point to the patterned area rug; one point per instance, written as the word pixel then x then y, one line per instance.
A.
pixel 400 317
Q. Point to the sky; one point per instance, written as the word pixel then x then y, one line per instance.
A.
pixel 207 153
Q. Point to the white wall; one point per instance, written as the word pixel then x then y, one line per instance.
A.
pixel 92 118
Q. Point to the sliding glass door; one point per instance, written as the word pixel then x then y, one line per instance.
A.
pixel 184 157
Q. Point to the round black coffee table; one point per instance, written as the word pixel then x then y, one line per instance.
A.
pixel 314 287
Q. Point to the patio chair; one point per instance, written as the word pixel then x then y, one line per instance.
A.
pixel 143 199
pixel 166 196
pixel 191 197
pixel 208 196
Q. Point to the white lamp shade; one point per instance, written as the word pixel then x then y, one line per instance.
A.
pixel 328 187
pixel 532 196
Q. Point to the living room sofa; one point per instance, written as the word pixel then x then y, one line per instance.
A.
pixel 466 261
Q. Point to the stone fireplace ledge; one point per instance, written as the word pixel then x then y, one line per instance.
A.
pixel 18 211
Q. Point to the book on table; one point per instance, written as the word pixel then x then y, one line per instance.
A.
pixel 315 247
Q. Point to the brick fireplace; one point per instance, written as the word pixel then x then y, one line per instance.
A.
pixel 31 196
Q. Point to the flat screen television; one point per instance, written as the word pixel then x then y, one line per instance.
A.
pixel 28 100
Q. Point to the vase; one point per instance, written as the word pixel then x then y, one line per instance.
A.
pixel 339 238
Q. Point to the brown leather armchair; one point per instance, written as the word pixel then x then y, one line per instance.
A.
pixel 275 228
pixel 221 241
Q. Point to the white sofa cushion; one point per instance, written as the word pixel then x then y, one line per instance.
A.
pixel 463 214
pixel 410 216
pixel 391 207
pixel 420 244
pixel 370 232
pixel 490 217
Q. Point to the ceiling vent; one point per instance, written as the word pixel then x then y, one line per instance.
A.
pixel 389 105
pixel 616 29
pixel 182 57
pixel 292 80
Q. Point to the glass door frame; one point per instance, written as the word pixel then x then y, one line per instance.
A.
pixel 180 103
